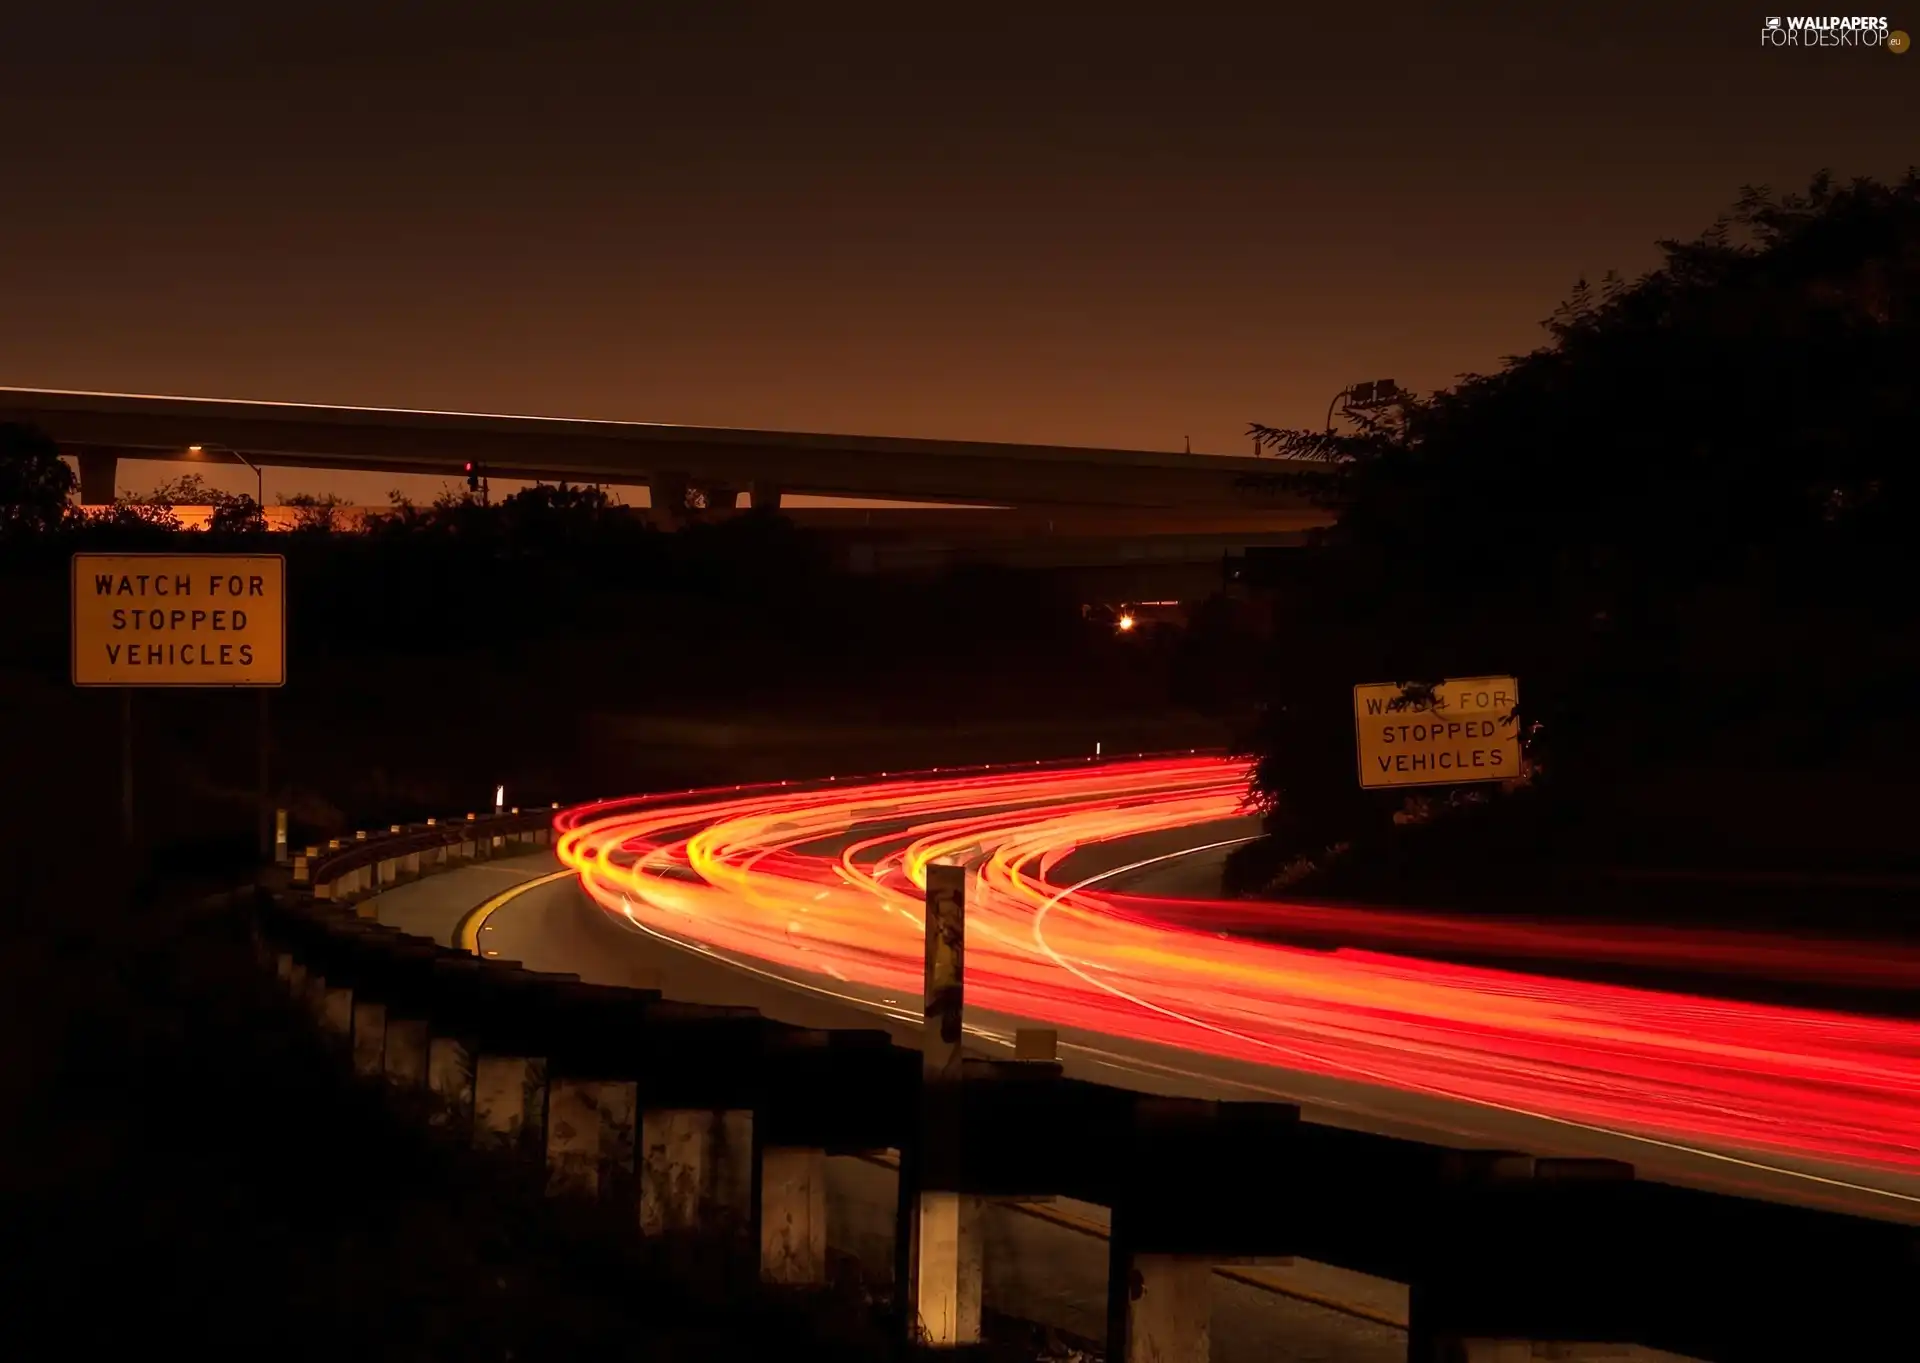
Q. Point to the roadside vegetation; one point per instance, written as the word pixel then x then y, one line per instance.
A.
pixel 1689 524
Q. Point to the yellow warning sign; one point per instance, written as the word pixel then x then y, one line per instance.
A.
pixel 1466 732
pixel 179 620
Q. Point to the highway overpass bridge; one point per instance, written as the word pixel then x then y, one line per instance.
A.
pixel 682 466
pixel 1109 557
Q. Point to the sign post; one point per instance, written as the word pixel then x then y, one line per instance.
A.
pixel 942 1259
pixel 192 620
pixel 1466 731
pixel 266 790
pixel 126 765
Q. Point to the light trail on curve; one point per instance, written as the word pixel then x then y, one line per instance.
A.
pixel 828 880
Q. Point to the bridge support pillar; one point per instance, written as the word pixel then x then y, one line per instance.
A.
pixel 369 1038
pixel 793 1216
pixel 589 1137
pixel 509 1102
pixel 949 1268
pixel 764 495
pixel 667 496
pixel 98 478
pixel 695 1171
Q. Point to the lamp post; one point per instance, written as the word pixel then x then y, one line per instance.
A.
pixel 259 479
pixel 1370 396
pixel 266 713
pixel 1343 393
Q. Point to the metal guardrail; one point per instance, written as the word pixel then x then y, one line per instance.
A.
pixel 715 1123
pixel 347 870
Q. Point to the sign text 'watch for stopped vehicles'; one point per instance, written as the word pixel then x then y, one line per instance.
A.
pixel 1467 730
pixel 179 620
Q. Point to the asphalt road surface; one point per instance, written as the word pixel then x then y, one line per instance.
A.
pixel 1046 1265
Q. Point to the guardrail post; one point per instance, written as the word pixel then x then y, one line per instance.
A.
pixel 369 1038
pixel 509 1103
pixel 1169 1309
pixel 313 993
pixel 947 1271
pixel 793 1216
pixel 589 1136
pixel 403 1055
pixel 335 1008
pixel 695 1170
pixel 450 1083
pixel 1495 1286
pixel 1040 1044
pixel 1168 1229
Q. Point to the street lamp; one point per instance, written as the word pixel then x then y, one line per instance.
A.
pixel 259 479
pixel 1370 396
pixel 267 817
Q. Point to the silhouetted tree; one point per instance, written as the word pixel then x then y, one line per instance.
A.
pixel 36 485
pixel 239 515
pixel 315 515
pixel 233 513
pixel 1689 523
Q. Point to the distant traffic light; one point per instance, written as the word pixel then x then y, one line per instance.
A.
pixel 473 476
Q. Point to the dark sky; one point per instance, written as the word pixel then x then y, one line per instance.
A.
pixel 1091 224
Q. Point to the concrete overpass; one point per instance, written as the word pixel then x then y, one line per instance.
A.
pixel 682 466
pixel 1106 555
pixel 1109 556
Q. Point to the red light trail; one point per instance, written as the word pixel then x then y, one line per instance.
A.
pixel 828 880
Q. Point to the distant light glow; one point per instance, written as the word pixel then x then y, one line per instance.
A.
pixel 1126 623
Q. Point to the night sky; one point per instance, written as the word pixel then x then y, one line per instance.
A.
pixel 1086 224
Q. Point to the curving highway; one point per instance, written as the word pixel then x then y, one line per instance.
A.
pixel 819 887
